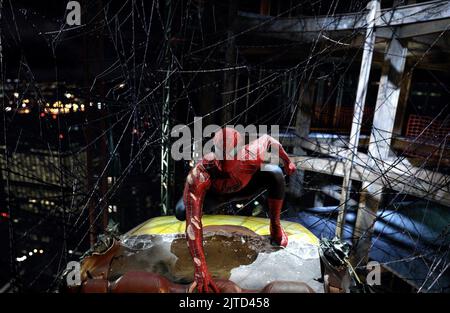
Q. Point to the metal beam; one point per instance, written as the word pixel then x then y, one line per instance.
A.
pixel 401 181
pixel 434 16
pixel 391 171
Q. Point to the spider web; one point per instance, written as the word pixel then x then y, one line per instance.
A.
pixel 129 52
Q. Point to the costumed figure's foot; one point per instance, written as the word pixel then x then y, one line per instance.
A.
pixel 278 236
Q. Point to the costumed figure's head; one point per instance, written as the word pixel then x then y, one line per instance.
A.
pixel 226 145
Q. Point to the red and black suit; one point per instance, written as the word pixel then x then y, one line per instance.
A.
pixel 239 174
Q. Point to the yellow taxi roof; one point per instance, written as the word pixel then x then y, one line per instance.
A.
pixel 170 225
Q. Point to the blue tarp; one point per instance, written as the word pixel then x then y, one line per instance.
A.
pixel 410 238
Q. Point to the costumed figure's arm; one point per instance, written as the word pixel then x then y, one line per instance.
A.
pixel 197 184
pixel 272 143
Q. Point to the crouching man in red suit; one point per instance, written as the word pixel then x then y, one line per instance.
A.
pixel 232 172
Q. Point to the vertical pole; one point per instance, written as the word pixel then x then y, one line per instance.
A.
pixel 403 102
pixel 361 93
pixel 387 100
pixel 247 98
pixel 379 145
pixel 337 108
pixel 302 128
pixel 165 119
pixel 320 95
pixel 165 149
pixel 236 88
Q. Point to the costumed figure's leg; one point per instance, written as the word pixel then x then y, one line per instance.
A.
pixel 273 179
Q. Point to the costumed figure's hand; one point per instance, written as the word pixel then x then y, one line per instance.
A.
pixel 203 282
pixel 290 168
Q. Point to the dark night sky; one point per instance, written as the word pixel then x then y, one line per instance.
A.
pixel 35 35
pixel 30 43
